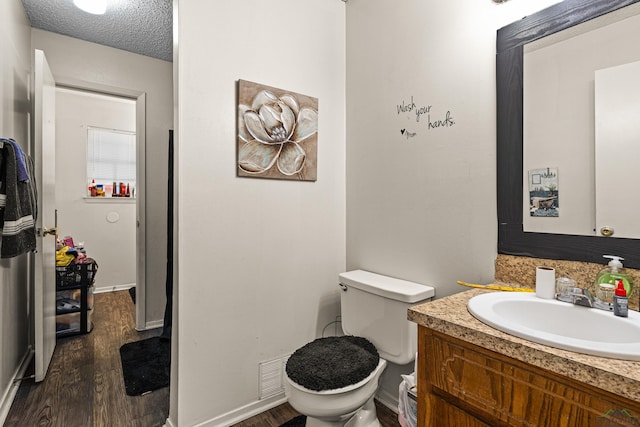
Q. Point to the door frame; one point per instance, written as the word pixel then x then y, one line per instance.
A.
pixel 141 138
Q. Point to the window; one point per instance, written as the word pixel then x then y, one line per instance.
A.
pixel 111 160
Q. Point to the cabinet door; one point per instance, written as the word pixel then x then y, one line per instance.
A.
pixel 443 413
pixel 486 388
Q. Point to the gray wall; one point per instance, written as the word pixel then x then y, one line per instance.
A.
pixel 76 61
pixel 15 72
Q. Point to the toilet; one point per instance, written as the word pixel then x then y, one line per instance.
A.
pixel 333 380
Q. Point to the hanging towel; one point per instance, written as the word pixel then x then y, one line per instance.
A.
pixel 18 204
pixel 21 164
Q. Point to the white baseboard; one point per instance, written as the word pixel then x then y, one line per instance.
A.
pixel 102 289
pixel 12 388
pixel 154 324
pixel 169 423
pixel 244 412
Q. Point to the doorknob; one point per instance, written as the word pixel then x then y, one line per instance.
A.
pixel 607 231
pixel 51 231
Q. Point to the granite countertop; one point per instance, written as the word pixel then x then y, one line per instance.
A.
pixel 449 315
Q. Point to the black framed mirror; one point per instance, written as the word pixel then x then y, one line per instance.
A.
pixel 512 239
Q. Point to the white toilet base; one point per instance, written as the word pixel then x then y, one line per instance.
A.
pixel 365 417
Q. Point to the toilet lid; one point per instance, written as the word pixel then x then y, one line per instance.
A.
pixel 332 362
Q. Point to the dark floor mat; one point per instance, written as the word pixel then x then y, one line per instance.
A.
pixel 146 365
pixel 132 292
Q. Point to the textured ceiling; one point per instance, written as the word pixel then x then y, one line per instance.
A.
pixel 139 26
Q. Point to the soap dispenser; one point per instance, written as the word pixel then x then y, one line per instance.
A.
pixel 607 279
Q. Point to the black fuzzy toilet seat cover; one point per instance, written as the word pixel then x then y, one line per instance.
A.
pixel 332 362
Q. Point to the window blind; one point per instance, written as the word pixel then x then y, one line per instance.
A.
pixel 111 156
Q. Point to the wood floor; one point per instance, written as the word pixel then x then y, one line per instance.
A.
pixel 84 385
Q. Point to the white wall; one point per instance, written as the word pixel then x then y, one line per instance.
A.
pixel 258 259
pixel 76 62
pixel 15 72
pixel 421 205
pixel 111 243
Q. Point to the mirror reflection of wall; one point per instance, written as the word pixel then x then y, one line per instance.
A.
pixel 559 116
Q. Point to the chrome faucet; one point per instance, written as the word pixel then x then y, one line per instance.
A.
pixel 584 297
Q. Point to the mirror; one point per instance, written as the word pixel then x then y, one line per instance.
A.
pixel 512 239
pixel 579 125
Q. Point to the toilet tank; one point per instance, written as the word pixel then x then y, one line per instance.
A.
pixel 375 307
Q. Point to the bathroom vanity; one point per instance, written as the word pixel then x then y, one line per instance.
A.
pixel 470 374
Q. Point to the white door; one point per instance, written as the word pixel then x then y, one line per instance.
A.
pixel 617 132
pixel 44 151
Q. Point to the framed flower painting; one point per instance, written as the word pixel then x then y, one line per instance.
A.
pixel 277 133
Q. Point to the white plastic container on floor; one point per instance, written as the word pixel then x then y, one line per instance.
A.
pixel 407 404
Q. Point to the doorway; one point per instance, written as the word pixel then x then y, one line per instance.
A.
pixel 108 227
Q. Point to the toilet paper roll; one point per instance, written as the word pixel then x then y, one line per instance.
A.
pixel 545 282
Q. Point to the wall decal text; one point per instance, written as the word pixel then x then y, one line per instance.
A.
pixel 423 115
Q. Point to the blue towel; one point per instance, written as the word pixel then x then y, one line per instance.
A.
pixel 21 164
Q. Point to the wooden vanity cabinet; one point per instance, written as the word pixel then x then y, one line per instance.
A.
pixel 464 385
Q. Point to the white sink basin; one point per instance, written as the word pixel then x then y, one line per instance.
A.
pixel 560 324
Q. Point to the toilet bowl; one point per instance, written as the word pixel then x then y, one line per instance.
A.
pixel 350 406
pixel 374 309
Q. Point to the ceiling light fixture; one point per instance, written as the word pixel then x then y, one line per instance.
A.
pixel 95 7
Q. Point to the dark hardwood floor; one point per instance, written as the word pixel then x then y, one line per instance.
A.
pixel 84 385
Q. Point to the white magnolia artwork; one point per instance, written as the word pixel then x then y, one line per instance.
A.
pixel 277 133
